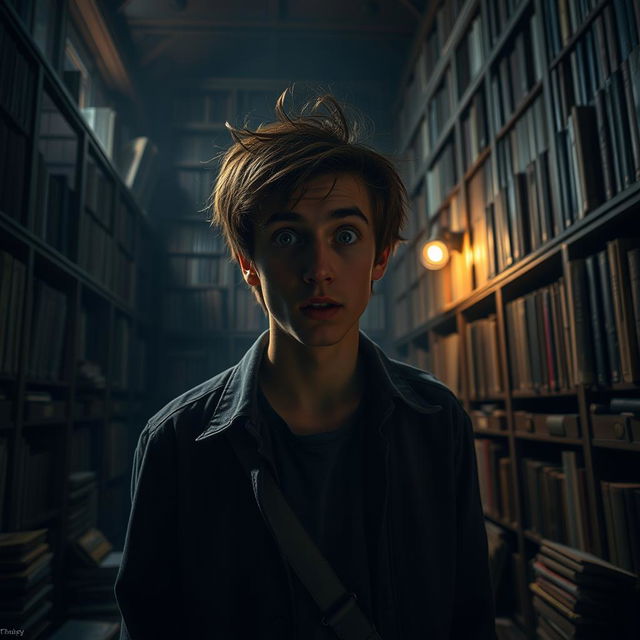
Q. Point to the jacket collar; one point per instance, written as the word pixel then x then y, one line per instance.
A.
pixel 239 396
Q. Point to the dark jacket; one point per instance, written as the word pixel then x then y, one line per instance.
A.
pixel 200 563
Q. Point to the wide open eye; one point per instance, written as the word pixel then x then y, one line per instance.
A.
pixel 347 235
pixel 285 237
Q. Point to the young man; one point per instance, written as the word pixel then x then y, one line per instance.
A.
pixel 374 457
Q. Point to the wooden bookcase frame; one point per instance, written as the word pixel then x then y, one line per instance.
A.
pixel 609 220
pixel 40 257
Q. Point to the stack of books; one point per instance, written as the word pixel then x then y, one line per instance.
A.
pixel 578 595
pixel 25 582
pixel 83 503
pixel 91 578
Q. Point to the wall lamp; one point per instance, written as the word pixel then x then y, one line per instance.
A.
pixel 435 252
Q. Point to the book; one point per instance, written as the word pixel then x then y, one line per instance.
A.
pixel 622 305
pixel 20 542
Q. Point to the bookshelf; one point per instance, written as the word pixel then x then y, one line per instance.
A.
pixel 210 315
pixel 77 339
pixel 518 124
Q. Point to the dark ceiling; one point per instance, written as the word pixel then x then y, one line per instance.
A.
pixel 357 45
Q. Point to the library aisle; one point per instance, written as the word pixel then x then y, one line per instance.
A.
pixel 515 126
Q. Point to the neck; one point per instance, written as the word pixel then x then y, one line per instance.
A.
pixel 313 386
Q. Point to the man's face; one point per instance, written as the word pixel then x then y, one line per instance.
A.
pixel 321 245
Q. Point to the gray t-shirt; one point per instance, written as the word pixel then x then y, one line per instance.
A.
pixel 321 477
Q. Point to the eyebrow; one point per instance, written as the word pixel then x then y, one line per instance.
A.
pixel 336 214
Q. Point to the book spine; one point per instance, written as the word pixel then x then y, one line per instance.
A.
pixel 619 283
pixel 608 515
pixel 610 332
pixel 596 323
pixel 583 355
pixel 633 257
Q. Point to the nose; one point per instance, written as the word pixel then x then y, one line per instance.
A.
pixel 317 266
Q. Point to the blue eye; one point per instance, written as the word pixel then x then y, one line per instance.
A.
pixel 284 238
pixel 343 236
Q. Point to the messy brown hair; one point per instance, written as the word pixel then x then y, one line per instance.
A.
pixel 265 166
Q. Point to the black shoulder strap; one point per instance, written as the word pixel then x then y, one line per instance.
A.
pixel 340 609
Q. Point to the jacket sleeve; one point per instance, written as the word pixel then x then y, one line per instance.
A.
pixel 474 614
pixel 146 588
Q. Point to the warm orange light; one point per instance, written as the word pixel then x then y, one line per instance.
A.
pixel 435 254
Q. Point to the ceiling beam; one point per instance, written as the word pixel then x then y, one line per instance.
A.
pixel 89 20
pixel 186 25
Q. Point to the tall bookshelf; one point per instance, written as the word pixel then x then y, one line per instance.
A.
pixel 518 125
pixel 77 338
pixel 210 315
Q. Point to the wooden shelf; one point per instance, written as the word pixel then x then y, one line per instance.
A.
pixel 578 235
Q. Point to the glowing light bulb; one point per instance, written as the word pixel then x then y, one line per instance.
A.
pixel 435 254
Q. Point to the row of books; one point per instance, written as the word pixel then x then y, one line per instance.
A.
pixel 483 357
pixel 555 500
pixel 186 271
pixel 96 250
pixel 439 111
pixel 499 14
pixel 563 19
pixel 445 360
pixel 82 510
pixel 474 129
pixel 204 310
pixel 210 107
pixel 125 227
pixel 441 177
pixel 195 149
pixel 621 503
pixel 515 73
pixel 521 217
pixel 539 342
pixel 99 193
pixel 599 146
pixel 90 577
pixel 422 299
pixel 494 479
pixel 43 406
pixel 26 583
pixel 470 55
pixel 124 282
pixel 49 333
pixel 194 238
pixel 13 169
pixel 195 185
pixel 578 595
pixel 480 205
pixel 416 214
pixel 54 206
pixel 18 85
pixel 430 54
pixel 12 284
pixel 606 302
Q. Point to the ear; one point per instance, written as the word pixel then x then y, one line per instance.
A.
pixel 380 265
pixel 249 272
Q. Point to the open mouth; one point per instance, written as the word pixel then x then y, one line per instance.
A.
pixel 321 311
